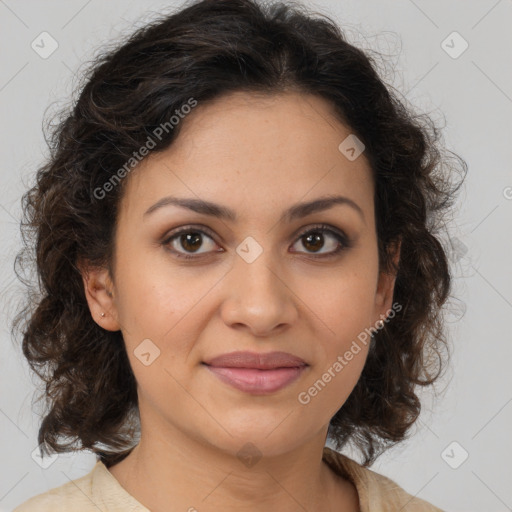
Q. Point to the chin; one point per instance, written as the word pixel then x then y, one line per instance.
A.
pixel 258 438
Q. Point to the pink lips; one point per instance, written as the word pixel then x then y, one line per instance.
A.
pixel 257 373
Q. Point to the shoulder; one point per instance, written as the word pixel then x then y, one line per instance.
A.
pixel 73 495
pixel 377 493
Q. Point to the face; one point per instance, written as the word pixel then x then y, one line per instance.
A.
pixel 189 286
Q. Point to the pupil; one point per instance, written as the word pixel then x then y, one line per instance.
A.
pixel 193 239
pixel 314 238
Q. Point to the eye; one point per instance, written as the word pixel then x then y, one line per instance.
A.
pixel 191 240
pixel 314 239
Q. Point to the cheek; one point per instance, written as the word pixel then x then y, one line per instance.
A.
pixel 162 317
pixel 336 374
pixel 155 294
pixel 344 304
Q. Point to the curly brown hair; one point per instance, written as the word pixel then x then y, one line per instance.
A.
pixel 207 49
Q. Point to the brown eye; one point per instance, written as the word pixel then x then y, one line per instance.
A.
pixel 317 238
pixel 188 241
pixel 313 241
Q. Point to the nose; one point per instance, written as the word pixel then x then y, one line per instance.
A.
pixel 258 297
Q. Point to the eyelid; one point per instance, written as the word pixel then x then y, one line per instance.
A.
pixel 189 228
pixel 322 227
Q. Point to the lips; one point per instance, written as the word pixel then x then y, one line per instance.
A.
pixel 257 373
pixel 264 361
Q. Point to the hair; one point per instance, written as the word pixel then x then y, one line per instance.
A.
pixel 206 50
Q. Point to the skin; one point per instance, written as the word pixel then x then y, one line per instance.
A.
pixel 257 155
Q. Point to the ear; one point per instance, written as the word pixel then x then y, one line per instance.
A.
pixel 100 296
pixel 386 284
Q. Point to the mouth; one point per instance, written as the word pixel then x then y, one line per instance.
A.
pixel 257 373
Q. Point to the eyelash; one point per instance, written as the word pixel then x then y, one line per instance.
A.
pixel 344 241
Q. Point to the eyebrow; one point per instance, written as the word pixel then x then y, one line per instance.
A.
pixel 297 211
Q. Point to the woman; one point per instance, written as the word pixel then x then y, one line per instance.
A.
pixel 235 235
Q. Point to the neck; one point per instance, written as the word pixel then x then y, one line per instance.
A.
pixel 168 467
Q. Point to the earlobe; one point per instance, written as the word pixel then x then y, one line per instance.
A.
pixel 98 288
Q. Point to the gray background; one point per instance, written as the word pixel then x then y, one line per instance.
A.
pixel 472 92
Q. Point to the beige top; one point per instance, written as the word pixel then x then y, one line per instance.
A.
pixel 99 490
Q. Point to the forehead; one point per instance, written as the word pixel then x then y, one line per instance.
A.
pixel 254 149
